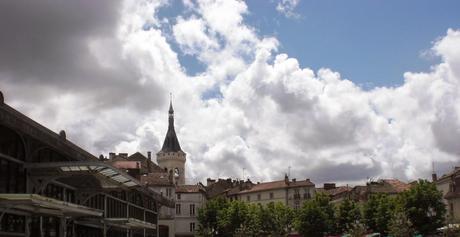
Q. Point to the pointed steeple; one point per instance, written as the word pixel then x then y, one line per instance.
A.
pixel 171 143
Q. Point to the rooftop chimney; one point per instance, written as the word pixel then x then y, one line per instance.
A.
pixel 329 186
pixel 149 157
pixel 434 177
pixel 111 155
pixel 210 181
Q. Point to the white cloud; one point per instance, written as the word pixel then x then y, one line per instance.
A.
pixel 270 112
pixel 287 8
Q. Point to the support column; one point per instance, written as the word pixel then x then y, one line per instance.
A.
pixel 27 226
pixel 62 227
pixel 41 227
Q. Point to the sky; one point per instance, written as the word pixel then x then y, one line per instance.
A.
pixel 334 91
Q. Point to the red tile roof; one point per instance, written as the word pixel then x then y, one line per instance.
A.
pixel 157 179
pixel 398 185
pixel 195 188
pixel 278 185
pixel 124 164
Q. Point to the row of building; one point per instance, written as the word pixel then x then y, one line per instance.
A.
pixel 50 187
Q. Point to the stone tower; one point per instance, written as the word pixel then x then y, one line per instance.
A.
pixel 171 158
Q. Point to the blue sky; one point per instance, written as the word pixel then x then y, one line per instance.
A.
pixel 371 43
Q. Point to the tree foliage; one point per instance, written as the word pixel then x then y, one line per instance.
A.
pixel 423 206
pixel 419 209
pixel 312 220
pixel 348 213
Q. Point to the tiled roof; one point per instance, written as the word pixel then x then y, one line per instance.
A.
pixel 139 157
pixel 335 192
pixel 125 164
pixel 398 185
pixel 278 185
pixel 195 188
pixel 156 179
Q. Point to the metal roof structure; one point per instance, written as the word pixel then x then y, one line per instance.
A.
pixel 38 204
pixel 97 168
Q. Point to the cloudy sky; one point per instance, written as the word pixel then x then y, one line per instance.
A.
pixel 336 90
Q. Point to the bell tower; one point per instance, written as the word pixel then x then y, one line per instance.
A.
pixel 171 158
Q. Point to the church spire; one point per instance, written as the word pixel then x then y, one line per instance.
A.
pixel 171 143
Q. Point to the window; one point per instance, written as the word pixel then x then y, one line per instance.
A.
pixel 168 192
pixel 192 209
pixel 178 196
pixel 177 209
pixel 271 195
pixel 192 226
pixel 248 198
pixel 258 196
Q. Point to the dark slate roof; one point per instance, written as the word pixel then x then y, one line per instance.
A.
pixel 171 143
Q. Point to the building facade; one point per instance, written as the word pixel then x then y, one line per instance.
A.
pixel 292 193
pixel 449 185
pixel 189 198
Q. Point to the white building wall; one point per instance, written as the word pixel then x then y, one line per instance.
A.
pixel 187 216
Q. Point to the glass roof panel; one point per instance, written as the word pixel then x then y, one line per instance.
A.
pixel 130 184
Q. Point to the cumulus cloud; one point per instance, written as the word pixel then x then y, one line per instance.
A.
pixel 105 79
pixel 287 8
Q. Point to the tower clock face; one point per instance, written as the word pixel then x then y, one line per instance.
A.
pixel 176 172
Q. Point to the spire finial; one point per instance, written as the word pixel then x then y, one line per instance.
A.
pixel 171 110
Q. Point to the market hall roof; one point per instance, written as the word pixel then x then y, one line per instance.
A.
pixel 104 172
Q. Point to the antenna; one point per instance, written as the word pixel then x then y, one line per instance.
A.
pixel 243 172
pixel 289 171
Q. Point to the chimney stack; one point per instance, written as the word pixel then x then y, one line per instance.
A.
pixel 329 186
pixel 111 155
pixel 434 177
pixel 149 156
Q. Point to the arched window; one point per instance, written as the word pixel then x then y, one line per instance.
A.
pixel 176 172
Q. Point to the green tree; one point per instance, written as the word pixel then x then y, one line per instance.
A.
pixel 311 220
pixel 370 212
pixel 423 206
pixel 208 216
pixel 282 218
pixel 377 212
pixel 347 213
pixel 230 219
pixel 400 225
pixel 324 202
pixel 385 211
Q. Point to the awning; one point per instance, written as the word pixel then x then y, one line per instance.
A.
pixel 38 204
pixel 86 167
pixel 131 223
